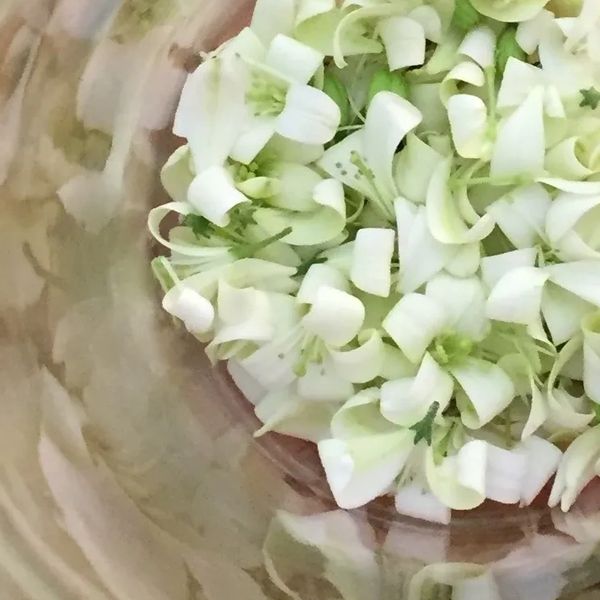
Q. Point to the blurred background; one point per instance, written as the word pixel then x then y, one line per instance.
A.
pixel 128 469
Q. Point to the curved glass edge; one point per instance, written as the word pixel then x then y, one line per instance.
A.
pixel 128 467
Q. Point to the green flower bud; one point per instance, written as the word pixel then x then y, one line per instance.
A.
pixel 337 91
pixel 506 47
pixel 465 16
pixel 386 81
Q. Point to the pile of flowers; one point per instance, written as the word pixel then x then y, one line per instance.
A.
pixel 388 223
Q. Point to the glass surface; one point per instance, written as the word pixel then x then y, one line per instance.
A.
pixel 128 468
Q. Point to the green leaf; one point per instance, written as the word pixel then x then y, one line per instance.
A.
pixel 337 91
pixel 200 226
pixel 386 81
pixel 591 98
pixel 506 47
pixel 465 16
pixel 424 429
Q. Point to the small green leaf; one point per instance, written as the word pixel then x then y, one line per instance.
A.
pixel 591 98
pixel 424 429
pixel 386 81
pixel 596 409
pixel 337 91
pixel 506 47
pixel 465 17
pixel 200 226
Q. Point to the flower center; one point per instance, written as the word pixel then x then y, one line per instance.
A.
pixel 451 347
pixel 266 96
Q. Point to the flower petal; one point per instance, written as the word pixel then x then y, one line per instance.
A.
pixel 256 133
pixel 421 255
pixel 429 18
pixel 253 391
pixel 494 268
pixel 407 401
pixel 581 278
pixel 518 80
pixel 413 501
pixel 211 111
pixel 389 119
pixel 465 72
pixel 413 324
pixel 271 17
pixel 196 312
pixel 488 390
pixel 336 317
pixel 459 481
pixel 444 219
pixel 506 470
pixel 479 45
pixel 372 261
pixel 316 277
pixel 543 459
pixel 563 312
pixel 361 469
pixel 512 11
pixel 213 194
pixel 468 121
pixel 310 116
pixel 323 384
pixel 359 417
pixel 404 41
pixel 296 186
pixel 463 300
pixel 577 469
pixel 177 175
pixel 293 59
pixel 521 214
pixel 563 161
pixel 362 364
pixel 517 297
pixel 591 356
pixel 514 154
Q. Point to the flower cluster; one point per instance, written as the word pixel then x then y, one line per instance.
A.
pixel 389 226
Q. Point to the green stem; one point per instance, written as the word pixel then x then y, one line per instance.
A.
pixel 251 249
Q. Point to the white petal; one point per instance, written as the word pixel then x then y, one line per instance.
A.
pixel 359 417
pixel 543 460
pixel 573 187
pixel 389 119
pixel 252 138
pixel 322 384
pixel 362 364
pixel 562 161
pixel 563 312
pixel 463 300
pixel 362 469
pixel 488 391
pixel 213 194
pixel 288 414
pixel 479 44
pixel 195 311
pixel 517 297
pixel 565 212
pixel 494 268
pixel 308 9
pixel 243 314
pixel 317 276
pixel 310 116
pixel 330 193
pixel 521 214
pixel 296 186
pixel 407 401
pixel 538 413
pixel 429 19
pixel 576 469
pixel 404 41
pixel 413 168
pixel 336 317
pixel 413 324
pixel 517 82
pixel 531 31
pixel 421 255
pixel 372 261
pixel 468 121
pixel 177 175
pixel 211 111
pixel 465 72
pixel 292 58
pixel 271 17
pixel 591 356
pixel 253 391
pixel 395 364
pixel 514 154
pixel 413 501
pixel 506 470
pixel 581 278
pixel 466 260
pixel 459 482
pixel 444 219
pixel 509 12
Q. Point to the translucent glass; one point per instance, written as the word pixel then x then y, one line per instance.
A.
pixel 128 468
